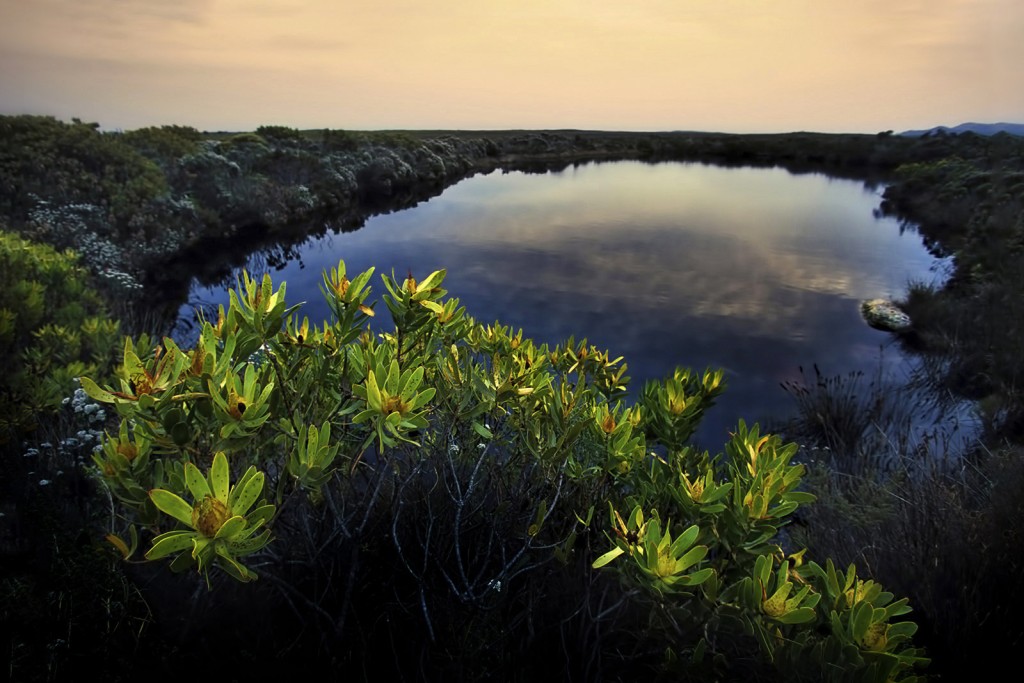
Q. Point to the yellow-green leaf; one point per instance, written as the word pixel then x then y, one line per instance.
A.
pixel 607 557
pixel 196 482
pixel 248 496
pixel 172 504
pixel 171 542
pixel 95 392
pixel 219 476
pixel 231 527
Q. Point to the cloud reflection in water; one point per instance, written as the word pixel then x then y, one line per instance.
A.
pixel 756 271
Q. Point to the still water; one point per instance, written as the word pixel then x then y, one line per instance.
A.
pixel 757 271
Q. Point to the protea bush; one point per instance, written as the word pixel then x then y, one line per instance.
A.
pixel 451 493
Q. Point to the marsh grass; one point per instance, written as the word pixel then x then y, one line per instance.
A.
pixel 882 422
pixel 921 505
pixel 971 338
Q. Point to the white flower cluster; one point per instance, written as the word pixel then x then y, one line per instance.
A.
pixel 118 280
pixel 70 218
pixel 209 160
pixel 98 253
pixel 82 405
pixel 71 451
pixel 83 227
pixel 301 198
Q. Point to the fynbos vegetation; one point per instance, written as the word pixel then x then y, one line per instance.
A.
pixel 445 498
pixel 471 472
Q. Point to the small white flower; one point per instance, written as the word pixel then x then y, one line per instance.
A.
pixel 44 482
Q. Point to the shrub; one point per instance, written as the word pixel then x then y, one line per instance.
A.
pixel 282 134
pixel 53 329
pixel 429 494
pixel 164 144
pixel 42 158
pixel 342 140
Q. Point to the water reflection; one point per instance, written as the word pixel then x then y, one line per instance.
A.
pixel 756 271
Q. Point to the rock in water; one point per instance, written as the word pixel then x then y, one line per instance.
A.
pixel 885 315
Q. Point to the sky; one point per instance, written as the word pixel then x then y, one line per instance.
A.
pixel 740 66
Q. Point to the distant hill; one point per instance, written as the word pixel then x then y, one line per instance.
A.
pixel 979 128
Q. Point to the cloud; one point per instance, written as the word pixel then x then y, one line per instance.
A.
pixel 296 42
pixel 704 64
pixel 125 11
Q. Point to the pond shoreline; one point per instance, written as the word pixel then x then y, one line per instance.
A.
pixel 410 168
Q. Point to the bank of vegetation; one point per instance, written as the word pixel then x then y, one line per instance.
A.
pixel 437 496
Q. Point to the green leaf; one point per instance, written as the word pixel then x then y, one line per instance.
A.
pixel 860 620
pixel 797 616
pixel 686 539
pixel 691 558
pixel 365 416
pixel 432 281
pixel 423 397
pixel 172 504
pixel 898 608
pixel 180 434
pixel 240 486
pixel 170 542
pixel 698 652
pixel 248 496
pixel 202 547
pixel 411 381
pixel 196 482
pixel 391 381
pixel 219 476
pixel 95 392
pixel 482 431
pixel 607 557
pixel 245 546
pixel 763 570
pixel 636 518
pixel 902 628
pixel 232 566
pixel 709 585
pixel 182 562
pixel 231 527
pixel 698 577
pixel 373 397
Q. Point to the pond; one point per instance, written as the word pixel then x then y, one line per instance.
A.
pixel 756 271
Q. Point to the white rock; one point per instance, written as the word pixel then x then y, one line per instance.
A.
pixel 885 315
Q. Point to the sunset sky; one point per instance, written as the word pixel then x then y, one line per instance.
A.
pixel 715 65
